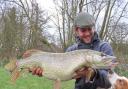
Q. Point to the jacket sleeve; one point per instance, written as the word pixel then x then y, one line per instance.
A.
pixel 71 48
pixel 106 48
pixel 68 49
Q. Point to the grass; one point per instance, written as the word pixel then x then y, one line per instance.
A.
pixel 28 81
pixel 123 71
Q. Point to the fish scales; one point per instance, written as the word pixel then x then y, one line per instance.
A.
pixel 62 66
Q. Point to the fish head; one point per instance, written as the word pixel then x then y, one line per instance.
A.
pixel 107 57
pixel 100 59
pixel 99 56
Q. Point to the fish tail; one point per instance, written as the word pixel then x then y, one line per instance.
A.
pixel 15 75
pixel 11 65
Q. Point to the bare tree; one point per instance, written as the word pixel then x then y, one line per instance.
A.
pixel 66 12
pixel 104 27
pixel 22 25
pixel 9 33
pixel 120 34
pixel 114 20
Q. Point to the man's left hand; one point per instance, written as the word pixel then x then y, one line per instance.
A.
pixel 85 72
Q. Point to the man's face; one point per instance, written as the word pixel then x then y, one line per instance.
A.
pixel 85 34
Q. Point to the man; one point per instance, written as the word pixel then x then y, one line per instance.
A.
pixel 87 38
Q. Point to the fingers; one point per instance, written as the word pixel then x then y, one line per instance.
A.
pixel 84 72
pixel 80 73
pixel 76 76
pixel 37 71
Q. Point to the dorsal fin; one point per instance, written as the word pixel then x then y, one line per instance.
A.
pixel 30 52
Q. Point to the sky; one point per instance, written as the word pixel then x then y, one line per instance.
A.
pixel 47 5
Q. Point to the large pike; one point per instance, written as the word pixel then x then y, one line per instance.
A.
pixel 61 66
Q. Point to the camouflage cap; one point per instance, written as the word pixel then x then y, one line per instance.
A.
pixel 84 20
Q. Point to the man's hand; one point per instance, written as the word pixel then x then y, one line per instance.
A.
pixel 35 70
pixel 85 72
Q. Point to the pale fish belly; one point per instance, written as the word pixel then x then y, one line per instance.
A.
pixel 61 70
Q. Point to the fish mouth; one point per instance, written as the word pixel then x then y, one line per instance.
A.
pixel 109 62
pixel 107 57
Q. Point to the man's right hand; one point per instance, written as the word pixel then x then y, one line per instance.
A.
pixel 36 71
